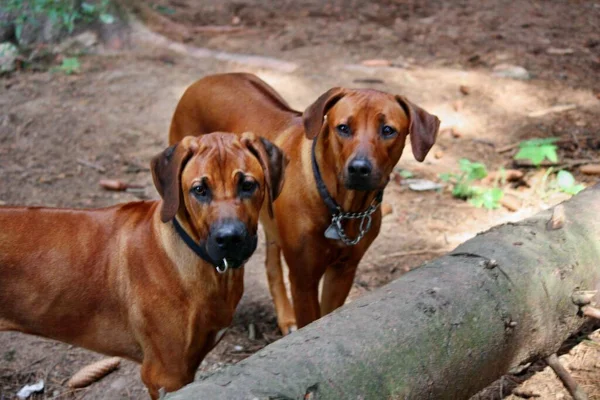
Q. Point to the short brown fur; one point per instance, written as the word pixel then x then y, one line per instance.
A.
pixel 240 102
pixel 119 280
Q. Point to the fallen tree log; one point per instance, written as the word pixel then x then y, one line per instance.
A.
pixel 444 330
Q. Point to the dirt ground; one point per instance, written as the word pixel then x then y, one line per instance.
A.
pixel 59 135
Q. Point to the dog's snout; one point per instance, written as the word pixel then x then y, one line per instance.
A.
pixel 360 168
pixel 230 234
pixel 231 240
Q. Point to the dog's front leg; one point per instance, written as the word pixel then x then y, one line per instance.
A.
pixel 337 283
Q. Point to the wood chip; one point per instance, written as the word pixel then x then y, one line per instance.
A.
pixel 590 169
pixel 559 52
pixel 510 203
pixel 113 184
pixel 456 133
pixel 553 109
pixel 376 63
pixel 93 372
pixel 511 175
pixel 386 209
pixel 558 218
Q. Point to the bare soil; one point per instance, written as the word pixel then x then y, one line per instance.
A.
pixel 59 135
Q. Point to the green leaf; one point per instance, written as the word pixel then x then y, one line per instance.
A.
pixel 88 8
pixel 107 18
pixel 565 179
pixel 538 142
pixel 406 173
pixel 492 197
pixel 536 150
pixel 164 9
pixel 576 189
pixel 476 201
pixel 474 170
pixel 70 65
pixel 444 177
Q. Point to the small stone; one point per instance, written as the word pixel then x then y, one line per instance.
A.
pixel 456 133
pixel 236 20
pixel 8 57
pixel 438 154
pixel 464 89
pixel 511 71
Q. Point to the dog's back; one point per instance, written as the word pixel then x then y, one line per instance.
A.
pixel 234 103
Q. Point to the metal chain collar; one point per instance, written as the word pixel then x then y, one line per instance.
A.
pixel 365 222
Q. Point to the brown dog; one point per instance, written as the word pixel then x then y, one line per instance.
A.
pixel 341 150
pixel 156 282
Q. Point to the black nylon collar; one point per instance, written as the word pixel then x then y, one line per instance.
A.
pixel 197 248
pixel 329 201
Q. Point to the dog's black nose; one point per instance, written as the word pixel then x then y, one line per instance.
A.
pixel 230 235
pixel 360 168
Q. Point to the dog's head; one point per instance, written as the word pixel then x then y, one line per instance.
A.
pixel 217 183
pixel 366 130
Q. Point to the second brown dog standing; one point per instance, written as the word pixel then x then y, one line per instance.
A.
pixel 342 150
pixel 156 282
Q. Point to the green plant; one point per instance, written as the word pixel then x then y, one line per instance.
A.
pixel 404 173
pixel 64 13
pixel 567 183
pixel 463 187
pixel 537 150
pixel 70 65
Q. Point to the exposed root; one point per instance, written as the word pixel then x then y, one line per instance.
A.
pixel 574 389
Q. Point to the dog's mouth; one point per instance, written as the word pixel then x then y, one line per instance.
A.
pixel 366 184
pixel 234 257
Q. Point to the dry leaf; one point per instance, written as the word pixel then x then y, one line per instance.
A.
pixel 590 169
pixel 510 203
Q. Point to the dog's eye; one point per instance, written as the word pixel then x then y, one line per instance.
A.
pixel 200 190
pixel 247 187
pixel 343 129
pixel 388 131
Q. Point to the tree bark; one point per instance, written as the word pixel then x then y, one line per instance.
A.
pixel 442 331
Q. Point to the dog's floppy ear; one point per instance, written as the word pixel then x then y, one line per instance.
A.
pixel 166 173
pixel 422 128
pixel 314 114
pixel 273 162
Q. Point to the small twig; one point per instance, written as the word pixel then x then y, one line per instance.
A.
pixel 553 109
pixel 413 253
pixel 70 391
pixel 218 29
pixel 572 387
pixel 561 140
pixel 39 360
pixel 526 163
pixel 97 167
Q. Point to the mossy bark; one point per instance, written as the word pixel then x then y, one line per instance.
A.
pixel 443 331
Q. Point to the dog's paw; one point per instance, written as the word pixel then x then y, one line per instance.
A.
pixel 288 328
pixel 292 329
